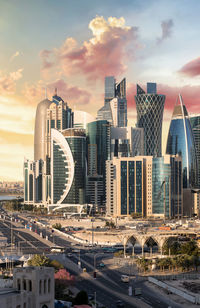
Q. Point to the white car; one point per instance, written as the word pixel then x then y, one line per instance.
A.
pixel 124 278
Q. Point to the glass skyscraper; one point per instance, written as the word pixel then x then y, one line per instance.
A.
pixel 68 166
pixel 161 173
pixel 181 141
pixel 150 107
pixel 195 124
pixel 115 104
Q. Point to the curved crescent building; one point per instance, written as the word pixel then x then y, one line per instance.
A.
pixel 181 141
pixel 40 130
pixel 68 166
pixel 150 107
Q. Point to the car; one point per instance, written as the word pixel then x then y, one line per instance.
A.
pixel 69 254
pixel 101 265
pixel 75 250
pixel 91 297
pixel 119 304
pixel 125 278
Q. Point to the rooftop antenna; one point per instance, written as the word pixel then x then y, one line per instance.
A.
pixel 55 91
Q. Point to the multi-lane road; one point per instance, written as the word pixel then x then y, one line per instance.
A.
pixel 107 287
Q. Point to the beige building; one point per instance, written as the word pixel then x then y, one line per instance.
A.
pixel 150 186
pixel 33 287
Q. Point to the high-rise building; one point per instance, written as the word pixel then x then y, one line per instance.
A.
pixel 33 181
pixel 68 166
pixel 181 141
pixel 40 130
pixel 195 124
pixel 82 118
pixel 150 108
pixel 151 186
pixel 167 186
pixel 59 116
pixel 125 186
pixel 115 104
pixel 98 151
pixel 126 141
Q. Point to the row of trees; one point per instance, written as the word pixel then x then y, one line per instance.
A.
pixel 178 263
pixel 174 247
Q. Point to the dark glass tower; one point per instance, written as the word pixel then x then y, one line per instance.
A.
pixel 150 108
pixel 195 123
pixel 98 151
pixel 181 141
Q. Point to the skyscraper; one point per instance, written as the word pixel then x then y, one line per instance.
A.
pixel 115 104
pixel 181 141
pixel 150 108
pixel 40 130
pixel 98 151
pixel 195 124
pixel 68 166
pixel 58 116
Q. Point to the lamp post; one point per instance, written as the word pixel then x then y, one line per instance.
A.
pixel 92 220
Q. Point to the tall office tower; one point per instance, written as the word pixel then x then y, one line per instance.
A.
pixel 115 104
pixel 151 186
pixel 167 186
pixel 125 186
pixel 33 181
pixel 40 130
pixel 82 118
pixel 28 181
pixel 150 108
pixel 126 141
pixel 68 166
pixel 195 124
pixel 181 141
pixel 98 151
pixel 59 116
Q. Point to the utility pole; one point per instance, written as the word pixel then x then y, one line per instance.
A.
pixel 92 220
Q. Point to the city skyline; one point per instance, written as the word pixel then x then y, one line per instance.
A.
pixel 48 50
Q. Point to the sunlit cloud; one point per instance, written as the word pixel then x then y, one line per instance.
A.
pixel 106 53
pixel 72 94
pixel 8 81
pixel 192 68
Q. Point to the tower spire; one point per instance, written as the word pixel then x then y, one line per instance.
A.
pixel 55 91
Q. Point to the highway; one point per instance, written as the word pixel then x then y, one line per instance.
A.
pixel 108 285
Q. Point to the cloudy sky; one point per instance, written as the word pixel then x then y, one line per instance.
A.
pixel 73 45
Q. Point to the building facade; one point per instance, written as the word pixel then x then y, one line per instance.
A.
pixel 150 186
pixel 115 104
pixel 126 141
pixel 68 166
pixel 181 141
pixel 150 107
pixel 195 124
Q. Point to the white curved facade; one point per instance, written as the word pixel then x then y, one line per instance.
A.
pixel 40 130
pixel 62 167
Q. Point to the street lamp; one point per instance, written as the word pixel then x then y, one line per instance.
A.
pixel 92 220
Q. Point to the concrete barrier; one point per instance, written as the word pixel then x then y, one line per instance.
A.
pixel 192 299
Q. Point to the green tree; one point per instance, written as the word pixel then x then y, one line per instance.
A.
pixel 189 248
pixel 39 260
pixel 57 226
pixel 136 215
pixel 56 264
